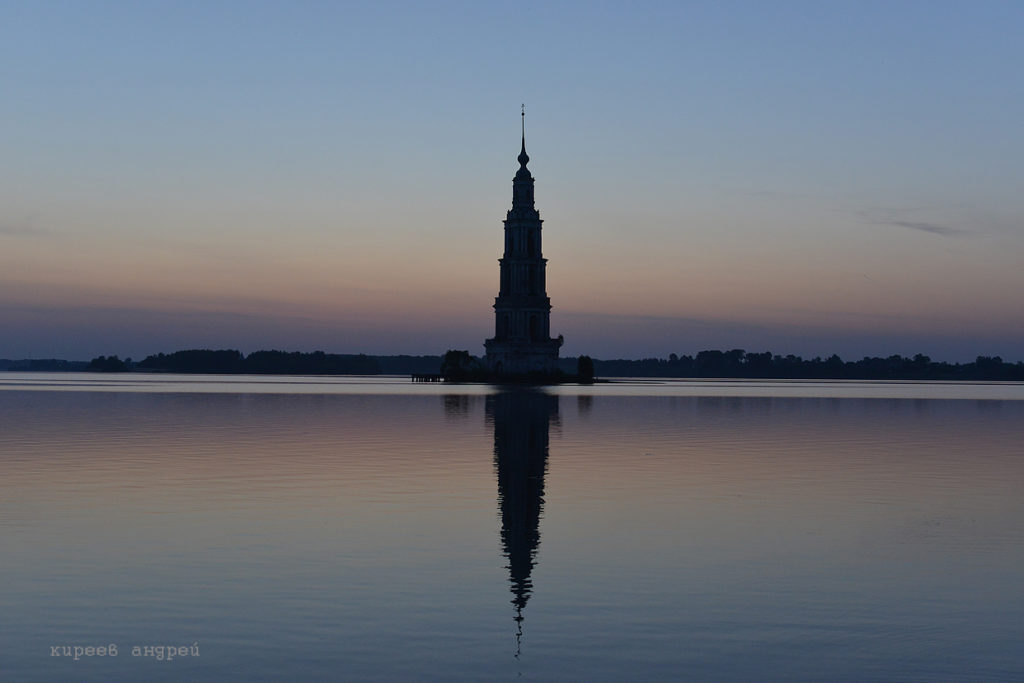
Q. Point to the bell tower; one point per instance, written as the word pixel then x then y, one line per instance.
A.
pixel 522 342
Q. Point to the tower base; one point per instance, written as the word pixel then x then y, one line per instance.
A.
pixel 506 358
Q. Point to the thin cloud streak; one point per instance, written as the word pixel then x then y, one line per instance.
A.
pixel 896 218
pixel 22 227
pixel 17 230
pixel 929 227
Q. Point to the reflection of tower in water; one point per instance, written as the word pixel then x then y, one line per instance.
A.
pixel 521 420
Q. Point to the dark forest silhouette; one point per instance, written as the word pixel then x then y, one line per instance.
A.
pixel 43 365
pixel 736 363
pixel 109 364
pixel 286 363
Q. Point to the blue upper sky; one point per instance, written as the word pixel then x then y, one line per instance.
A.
pixel 801 177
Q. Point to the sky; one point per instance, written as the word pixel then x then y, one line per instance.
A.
pixel 800 177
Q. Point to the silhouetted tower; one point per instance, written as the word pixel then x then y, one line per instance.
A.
pixel 522 340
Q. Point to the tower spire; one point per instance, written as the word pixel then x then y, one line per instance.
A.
pixel 524 158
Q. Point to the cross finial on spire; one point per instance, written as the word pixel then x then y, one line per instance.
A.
pixel 523 158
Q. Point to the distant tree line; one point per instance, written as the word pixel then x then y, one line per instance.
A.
pixel 43 365
pixel 109 364
pixel 229 361
pixel 738 363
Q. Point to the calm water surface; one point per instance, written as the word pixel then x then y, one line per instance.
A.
pixel 373 529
